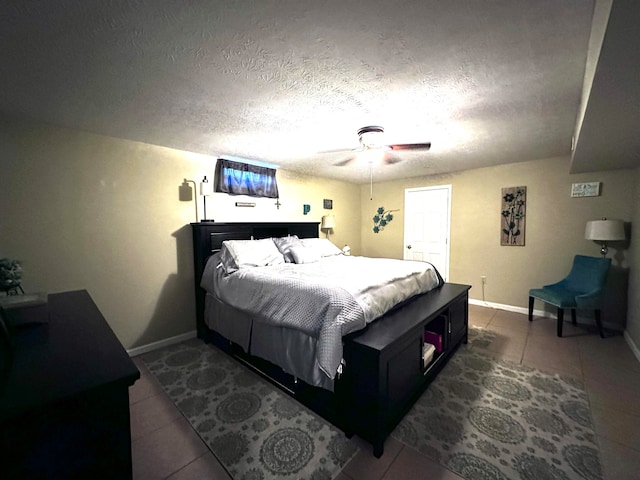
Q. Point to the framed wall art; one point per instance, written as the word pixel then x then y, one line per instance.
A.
pixel 513 219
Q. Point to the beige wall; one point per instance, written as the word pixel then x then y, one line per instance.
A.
pixel 554 229
pixel 296 190
pixel 633 319
pixel 83 211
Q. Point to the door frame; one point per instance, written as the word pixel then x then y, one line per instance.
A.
pixel 448 188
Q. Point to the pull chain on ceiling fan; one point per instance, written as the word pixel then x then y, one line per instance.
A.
pixel 370 182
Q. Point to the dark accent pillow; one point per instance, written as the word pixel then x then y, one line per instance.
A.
pixel 285 244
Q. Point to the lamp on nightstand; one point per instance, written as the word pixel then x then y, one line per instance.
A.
pixel 328 223
pixel 206 189
pixel 603 231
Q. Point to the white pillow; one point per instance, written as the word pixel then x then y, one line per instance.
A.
pixel 323 246
pixel 302 254
pixel 237 254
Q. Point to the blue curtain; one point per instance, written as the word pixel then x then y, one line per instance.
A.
pixel 237 178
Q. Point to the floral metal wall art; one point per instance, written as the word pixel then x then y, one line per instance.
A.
pixel 514 202
pixel 381 219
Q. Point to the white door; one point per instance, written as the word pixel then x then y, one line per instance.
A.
pixel 426 226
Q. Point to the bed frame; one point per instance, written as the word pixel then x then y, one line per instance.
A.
pixel 384 371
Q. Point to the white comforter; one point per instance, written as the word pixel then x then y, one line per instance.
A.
pixel 326 299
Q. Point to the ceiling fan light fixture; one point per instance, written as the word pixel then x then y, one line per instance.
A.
pixel 371 136
pixel 373 148
pixel 372 156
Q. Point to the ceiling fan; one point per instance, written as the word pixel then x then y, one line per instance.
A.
pixel 371 148
pixel 369 138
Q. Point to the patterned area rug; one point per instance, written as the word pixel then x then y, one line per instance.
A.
pixel 484 418
pixel 255 431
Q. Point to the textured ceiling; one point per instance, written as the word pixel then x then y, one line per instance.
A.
pixel 486 82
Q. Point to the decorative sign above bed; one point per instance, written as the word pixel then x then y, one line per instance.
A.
pixel 512 228
pixel 382 218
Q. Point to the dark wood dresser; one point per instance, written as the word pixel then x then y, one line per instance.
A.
pixel 64 398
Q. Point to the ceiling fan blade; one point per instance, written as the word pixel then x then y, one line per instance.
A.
pixel 344 162
pixel 391 159
pixel 338 150
pixel 410 146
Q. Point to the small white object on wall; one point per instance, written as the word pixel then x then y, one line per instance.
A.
pixel 588 189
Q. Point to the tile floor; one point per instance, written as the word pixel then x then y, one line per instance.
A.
pixel 164 445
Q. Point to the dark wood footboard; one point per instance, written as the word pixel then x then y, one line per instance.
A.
pixel 386 372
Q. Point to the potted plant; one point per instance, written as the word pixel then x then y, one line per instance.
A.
pixel 10 274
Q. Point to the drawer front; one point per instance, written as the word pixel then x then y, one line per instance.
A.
pixel 404 376
pixel 458 319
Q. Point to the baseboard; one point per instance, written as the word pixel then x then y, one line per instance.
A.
pixel 537 313
pixel 634 348
pixel 160 344
pixel 511 308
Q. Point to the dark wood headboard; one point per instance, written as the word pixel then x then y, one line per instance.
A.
pixel 208 238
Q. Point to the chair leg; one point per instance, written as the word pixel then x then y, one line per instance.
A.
pixel 560 320
pixel 530 309
pixel 573 316
pixel 599 323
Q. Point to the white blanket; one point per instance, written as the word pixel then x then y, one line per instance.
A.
pixel 326 299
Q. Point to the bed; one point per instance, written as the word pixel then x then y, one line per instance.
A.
pixel 357 360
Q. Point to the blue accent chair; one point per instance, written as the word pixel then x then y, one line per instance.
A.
pixel 581 289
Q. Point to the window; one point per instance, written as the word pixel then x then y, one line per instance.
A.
pixel 237 178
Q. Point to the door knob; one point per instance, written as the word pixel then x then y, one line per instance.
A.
pixel 408 247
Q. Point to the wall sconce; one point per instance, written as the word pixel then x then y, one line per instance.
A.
pixel 604 231
pixel 206 189
pixel 185 193
pixel 328 223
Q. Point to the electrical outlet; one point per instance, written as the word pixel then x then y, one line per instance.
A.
pixel 483 278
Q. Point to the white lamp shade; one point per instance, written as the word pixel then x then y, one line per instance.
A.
pixel 328 221
pixel 206 187
pixel 605 230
